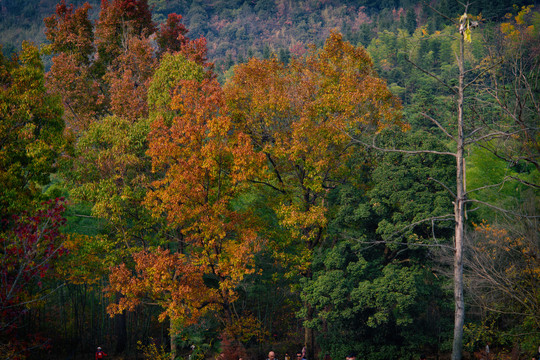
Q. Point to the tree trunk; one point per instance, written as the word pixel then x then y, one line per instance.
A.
pixel 173 333
pixel 309 335
pixel 459 213
pixel 121 332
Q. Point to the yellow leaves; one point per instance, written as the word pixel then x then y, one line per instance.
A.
pixel 513 31
pixel 520 17
pixel 304 224
pixel 466 23
pixel 510 251
pixel 298 115
pixel 508 29
pixel 467 35
pixel 247 328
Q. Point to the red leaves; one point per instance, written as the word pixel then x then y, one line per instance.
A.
pixel 171 36
pixel 196 50
pixel 133 16
pixel 80 92
pixel 130 78
pixel 71 31
pixel 104 70
pixel 31 244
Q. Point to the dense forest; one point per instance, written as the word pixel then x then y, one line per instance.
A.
pixel 217 179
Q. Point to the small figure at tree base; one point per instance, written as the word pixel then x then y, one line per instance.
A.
pixel 100 354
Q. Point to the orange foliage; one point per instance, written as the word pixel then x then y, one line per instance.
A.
pixel 164 278
pixel 205 165
pixel 130 79
pixel 300 116
pixel 80 93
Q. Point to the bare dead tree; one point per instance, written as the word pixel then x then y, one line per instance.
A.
pixel 476 131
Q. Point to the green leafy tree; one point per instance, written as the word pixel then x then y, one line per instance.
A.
pixel 381 242
pixel 31 132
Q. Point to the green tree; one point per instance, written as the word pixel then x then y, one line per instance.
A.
pixel 31 132
pixel 377 226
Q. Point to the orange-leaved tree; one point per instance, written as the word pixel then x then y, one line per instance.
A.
pixel 102 71
pixel 103 68
pixel 203 164
pixel 298 115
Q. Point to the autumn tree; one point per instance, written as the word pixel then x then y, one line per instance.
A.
pixel 103 68
pixel 30 242
pixel 104 87
pixel 503 276
pixel 202 167
pixel 296 115
pixel 71 36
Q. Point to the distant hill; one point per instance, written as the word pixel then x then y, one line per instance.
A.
pixel 239 29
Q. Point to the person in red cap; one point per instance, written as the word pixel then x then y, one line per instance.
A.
pixel 100 354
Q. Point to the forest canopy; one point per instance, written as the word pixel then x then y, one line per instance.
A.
pixel 218 179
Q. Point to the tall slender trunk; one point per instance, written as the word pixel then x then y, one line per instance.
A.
pixel 309 334
pixel 459 213
pixel 121 332
pixel 174 334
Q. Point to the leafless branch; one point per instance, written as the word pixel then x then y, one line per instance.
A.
pixel 85 216
pixel 431 74
pixel 378 242
pixel 536 186
pixel 439 126
pixel 441 14
pixel 504 211
pixel 496 154
pixel 493 135
pixel 474 132
pixel 444 186
pixel 481 73
pixel 37 299
pixel 487 186
pixel 415 152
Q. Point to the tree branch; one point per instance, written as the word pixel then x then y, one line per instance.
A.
pixel 441 14
pixel 481 73
pixel 431 74
pixel 373 146
pixel 501 209
pixel 492 135
pixel 444 186
pixel 439 126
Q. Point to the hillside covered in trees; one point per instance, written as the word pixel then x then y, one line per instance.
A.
pixel 237 30
pixel 217 179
